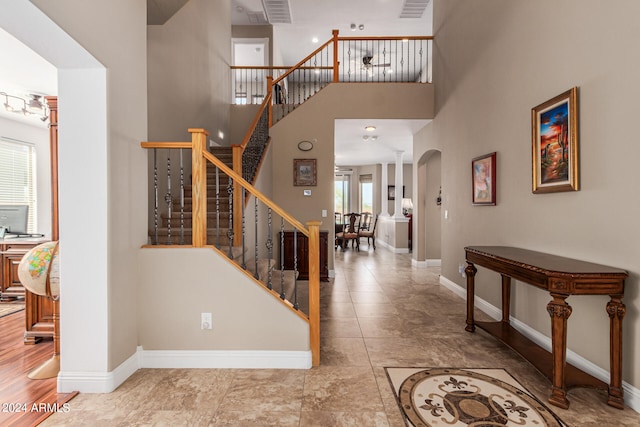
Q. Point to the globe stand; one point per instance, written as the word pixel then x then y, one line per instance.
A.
pixel 51 367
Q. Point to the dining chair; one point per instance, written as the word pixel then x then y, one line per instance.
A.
pixel 370 234
pixel 351 231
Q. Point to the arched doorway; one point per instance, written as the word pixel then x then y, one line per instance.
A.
pixel 428 222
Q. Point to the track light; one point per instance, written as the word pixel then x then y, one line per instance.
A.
pixel 32 107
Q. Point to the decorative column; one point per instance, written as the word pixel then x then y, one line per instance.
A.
pixel 398 202
pixel 383 191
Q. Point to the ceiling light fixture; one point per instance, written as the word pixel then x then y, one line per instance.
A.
pixel 361 27
pixel 32 107
pixel 369 128
pixel 353 27
pixel 314 40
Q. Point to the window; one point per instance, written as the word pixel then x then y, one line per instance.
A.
pixel 366 193
pixel 17 176
pixel 342 183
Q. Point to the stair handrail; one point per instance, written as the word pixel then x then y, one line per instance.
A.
pixel 199 157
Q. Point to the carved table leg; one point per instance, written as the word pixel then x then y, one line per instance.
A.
pixel 616 311
pixel 559 311
pixel 506 298
pixel 470 271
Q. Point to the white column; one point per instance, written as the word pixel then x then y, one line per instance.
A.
pixel 398 202
pixel 384 211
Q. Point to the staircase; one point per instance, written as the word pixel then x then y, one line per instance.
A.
pixel 217 232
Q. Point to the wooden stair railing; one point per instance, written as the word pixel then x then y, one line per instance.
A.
pixel 200 157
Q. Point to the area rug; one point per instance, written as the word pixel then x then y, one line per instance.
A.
pixel 7 309
pixel 454 397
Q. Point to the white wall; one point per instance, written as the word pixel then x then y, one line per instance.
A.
pixel 39 136
pixel 102 170
pixel 494 61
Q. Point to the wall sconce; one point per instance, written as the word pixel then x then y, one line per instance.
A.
pixel 407 205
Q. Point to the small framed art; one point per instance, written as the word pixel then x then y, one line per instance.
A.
pixel 483 179
pixel 304 173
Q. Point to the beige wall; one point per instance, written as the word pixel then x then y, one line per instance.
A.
pixel 245 316
pixel 123 54
pixel 494 61
pixel 189 80
pixel 315 119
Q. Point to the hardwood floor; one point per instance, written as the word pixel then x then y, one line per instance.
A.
pixel 25 402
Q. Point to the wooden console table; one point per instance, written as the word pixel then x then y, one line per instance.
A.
pixel 562 277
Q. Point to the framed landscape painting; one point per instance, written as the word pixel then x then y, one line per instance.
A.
pixel 304 172
pixel 483 173
pixel 555 144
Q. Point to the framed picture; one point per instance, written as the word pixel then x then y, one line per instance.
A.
pixel 304 172
pixel 391 192
pixel 483 178
pixel 555 144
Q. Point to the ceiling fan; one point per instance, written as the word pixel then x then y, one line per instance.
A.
pixel 369 62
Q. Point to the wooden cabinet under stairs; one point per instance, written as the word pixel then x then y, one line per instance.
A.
pixel 302 250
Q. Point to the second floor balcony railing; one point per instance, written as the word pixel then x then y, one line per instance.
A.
pixel 340 59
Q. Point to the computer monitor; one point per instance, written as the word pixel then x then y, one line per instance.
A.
pixel 14 219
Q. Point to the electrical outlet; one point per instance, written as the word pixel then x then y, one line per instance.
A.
pixel 205 321
pixel 461 270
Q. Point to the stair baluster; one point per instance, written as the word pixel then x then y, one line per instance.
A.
pixel 217 207
pixel 230 232
pixel 168 198
pixel 244 263
pixel 155 200
pixel 295 268
pixel 255 209
pixel 181 199
pixel 282 295
pixel 269 245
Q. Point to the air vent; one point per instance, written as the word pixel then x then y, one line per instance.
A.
pixel 257 18
pixel 413 8
pixel 278 11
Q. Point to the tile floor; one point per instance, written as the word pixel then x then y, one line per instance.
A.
pixel 379 311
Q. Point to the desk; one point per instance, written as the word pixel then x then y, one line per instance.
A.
pixel 562 277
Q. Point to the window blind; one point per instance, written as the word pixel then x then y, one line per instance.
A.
pixel 17 176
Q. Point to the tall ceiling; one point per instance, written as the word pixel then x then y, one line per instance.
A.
pixel 23 72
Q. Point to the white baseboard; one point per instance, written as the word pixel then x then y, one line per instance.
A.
pixel 392 248
pixel 106 382
pixel 224 359
pixel 97 382
pixel 631 394
pixel 426 263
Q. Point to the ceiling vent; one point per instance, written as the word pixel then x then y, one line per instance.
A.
pixel 257 18
pixel 413 8
pixel 278 11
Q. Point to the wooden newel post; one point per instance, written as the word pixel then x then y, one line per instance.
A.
pixel 314 290
pixel 199 182
pixel 336 65
pixel 270 106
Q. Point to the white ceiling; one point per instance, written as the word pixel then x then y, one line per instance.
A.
pixel 23 72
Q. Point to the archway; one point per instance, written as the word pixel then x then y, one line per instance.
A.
pixel 428 222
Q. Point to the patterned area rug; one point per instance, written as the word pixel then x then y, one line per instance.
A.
pixel 7 309
pixel 436 397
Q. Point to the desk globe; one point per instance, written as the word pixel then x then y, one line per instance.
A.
pixel 39 273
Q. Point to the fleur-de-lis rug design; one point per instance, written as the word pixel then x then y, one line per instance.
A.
pixel 434 397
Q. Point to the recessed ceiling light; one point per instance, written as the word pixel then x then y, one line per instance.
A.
pixel 369 128
pixel 314 40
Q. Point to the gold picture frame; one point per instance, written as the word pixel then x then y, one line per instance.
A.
pixel 304 173
pixel 555 144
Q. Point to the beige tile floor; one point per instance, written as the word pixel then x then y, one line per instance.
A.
pixel 379 311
